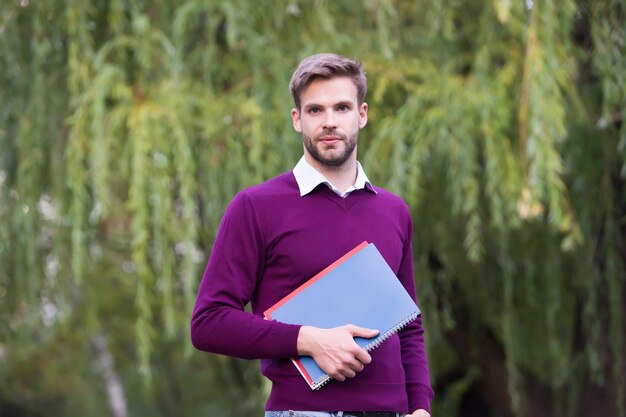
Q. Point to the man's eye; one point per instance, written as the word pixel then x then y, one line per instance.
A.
pixel 343 107
pixel 314 110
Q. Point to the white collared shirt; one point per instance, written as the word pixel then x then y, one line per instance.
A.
pixel 308 178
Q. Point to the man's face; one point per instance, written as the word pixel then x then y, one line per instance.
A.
pixel 329 120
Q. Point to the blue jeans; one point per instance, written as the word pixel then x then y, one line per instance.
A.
pixel 291 413
pixel 302 414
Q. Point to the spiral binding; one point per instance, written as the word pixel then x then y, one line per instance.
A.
pixel 321 382
pixel 375 343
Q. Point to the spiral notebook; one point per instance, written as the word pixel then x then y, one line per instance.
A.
pixel 359 288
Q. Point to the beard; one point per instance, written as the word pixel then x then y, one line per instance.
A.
pixel 331 158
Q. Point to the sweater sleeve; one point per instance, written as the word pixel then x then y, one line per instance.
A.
pixel 419 391
pixel 219 323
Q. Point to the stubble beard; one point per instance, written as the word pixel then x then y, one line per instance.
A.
pixel 331 161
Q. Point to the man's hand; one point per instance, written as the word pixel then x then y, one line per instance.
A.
pixel 418 413
pixel 334 350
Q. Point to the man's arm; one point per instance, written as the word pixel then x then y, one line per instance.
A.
pixel 413 351
pixel 219 323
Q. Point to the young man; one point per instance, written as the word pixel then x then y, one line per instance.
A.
pixel 276 235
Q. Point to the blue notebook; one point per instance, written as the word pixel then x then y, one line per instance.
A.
pixel 359 288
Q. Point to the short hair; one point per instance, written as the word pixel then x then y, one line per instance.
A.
pixel 326 66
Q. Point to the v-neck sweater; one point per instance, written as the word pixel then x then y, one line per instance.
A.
pixel 270 241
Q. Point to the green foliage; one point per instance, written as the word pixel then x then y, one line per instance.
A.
pixel 127 126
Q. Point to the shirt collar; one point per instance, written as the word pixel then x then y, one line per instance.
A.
pixel 308 178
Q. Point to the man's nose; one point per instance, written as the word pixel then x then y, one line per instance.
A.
pixel 330 120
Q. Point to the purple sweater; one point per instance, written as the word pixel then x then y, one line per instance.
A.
pixel 270 241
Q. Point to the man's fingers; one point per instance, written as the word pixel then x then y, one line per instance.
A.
pixel 343 373
pixel 363 357
pixel 362 331
pixel 348 368
pixel 357 365
pixel 338 376
pixel 360 354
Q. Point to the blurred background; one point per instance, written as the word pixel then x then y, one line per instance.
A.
pixel 126 126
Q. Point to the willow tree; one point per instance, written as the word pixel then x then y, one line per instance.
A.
pixel 126 126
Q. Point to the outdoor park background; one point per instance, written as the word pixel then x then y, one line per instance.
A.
pixel 126 126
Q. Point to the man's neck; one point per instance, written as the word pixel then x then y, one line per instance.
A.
pixel 342 177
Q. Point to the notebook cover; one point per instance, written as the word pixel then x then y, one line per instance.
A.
pixel 359 288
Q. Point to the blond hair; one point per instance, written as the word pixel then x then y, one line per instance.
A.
pixel 326 66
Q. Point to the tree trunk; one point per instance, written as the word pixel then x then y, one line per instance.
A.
pixel 114 388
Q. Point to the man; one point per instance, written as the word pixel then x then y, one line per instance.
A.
pixel 276 235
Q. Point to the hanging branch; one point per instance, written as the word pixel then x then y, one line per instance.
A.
pixel 527 207
pixel 114 388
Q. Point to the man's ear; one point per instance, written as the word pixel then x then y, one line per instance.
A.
pixel 362 115
pixel 295 117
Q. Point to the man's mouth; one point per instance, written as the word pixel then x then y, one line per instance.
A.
pixel 330 140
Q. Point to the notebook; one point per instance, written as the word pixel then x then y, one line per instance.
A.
pixel 359 288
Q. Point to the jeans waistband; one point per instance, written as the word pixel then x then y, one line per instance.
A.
pixel 292 413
